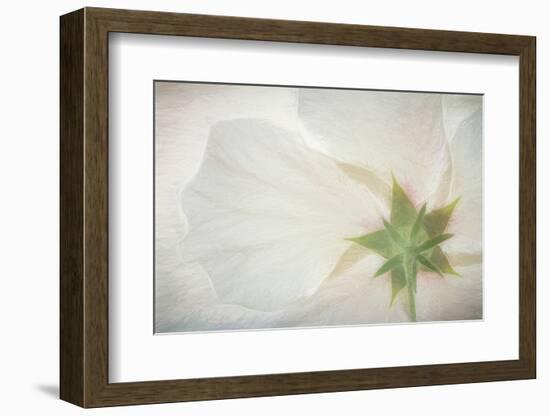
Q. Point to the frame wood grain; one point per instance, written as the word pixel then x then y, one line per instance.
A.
pixel 84 207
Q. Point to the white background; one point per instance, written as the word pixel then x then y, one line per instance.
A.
pixel 136 355
pixel 29 213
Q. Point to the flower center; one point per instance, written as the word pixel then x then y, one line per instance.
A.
pixel 410 241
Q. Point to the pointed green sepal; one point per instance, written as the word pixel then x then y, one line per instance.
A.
pixel 403 212
pixel 398 282
pixel 395 261
pixel 417 223
pixel 442 262
pixel 410 240
pixel 436 221
pixel 379 242
pixel 432 242
pixel 394 234
pixel 428 264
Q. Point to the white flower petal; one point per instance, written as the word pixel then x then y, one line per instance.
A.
pixel 383 132
pixel 184 114
pixel 466 222
pixel 457 108
pixel 353 298
pixel 450 298
pixel 268 216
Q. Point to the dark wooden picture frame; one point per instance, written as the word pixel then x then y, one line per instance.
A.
pixel 84 207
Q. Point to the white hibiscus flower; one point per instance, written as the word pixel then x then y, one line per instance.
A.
pixel 293 218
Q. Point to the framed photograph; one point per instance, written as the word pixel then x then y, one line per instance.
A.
pixel 255 207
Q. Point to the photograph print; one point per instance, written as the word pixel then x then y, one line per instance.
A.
pixel 304 207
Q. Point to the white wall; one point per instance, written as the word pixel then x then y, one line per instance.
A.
pixel 29 208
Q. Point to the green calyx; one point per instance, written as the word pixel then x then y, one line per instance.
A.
pixel 410 241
